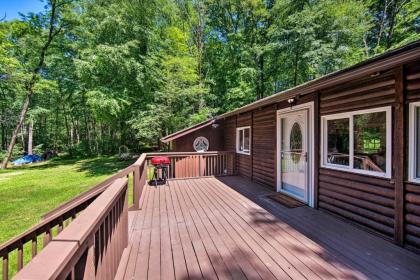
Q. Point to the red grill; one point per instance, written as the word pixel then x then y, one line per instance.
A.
pixel 160 161
pixel 161 168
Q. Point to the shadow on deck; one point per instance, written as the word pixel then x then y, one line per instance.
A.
pixel 227 228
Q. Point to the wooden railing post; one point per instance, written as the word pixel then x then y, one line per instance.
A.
pixel 6 267
pixel 89 271
pixel 124 222
pixel 143 178
pixel 139 179
pixel 136 187
pixel 201 166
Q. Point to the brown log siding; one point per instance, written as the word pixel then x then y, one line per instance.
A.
pixel 413 81
pixel 412 214
pixel 229 134
pixel 264 146
pixel 365 200
pixel 368 92
pixel 412 190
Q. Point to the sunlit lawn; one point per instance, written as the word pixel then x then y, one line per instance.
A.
pixel 26 193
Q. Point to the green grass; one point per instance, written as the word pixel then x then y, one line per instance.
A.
pixel 30 191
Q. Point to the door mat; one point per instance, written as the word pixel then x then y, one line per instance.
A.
pixel 286 200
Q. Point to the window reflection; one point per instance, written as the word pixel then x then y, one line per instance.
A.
pixel 370 141
pixel 246 139
pixel 338 141
pixel 241 140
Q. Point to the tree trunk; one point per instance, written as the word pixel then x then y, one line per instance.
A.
pixel 3 130
pixel 66 122
pixel 30 136
pixel 382 24
pixel 3 137
pixel 261 77
pixel 296 66
pixel 25 106
pixel 22 137
pixel 12 142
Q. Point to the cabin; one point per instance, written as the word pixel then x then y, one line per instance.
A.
pixel 321 181
pixel 346 143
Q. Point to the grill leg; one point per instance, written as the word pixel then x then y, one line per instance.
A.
pixel 165 174
pixel 155 175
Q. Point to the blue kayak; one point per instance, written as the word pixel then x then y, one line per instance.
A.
pixel 27 159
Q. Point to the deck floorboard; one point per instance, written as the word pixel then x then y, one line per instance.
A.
pixel 227 228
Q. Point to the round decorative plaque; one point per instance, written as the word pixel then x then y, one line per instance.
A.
pixel 201 144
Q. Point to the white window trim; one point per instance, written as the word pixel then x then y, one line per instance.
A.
pixel 412 149
pixel 349 115
pixel 241 130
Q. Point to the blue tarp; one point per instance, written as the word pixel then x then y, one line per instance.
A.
pixel 27 159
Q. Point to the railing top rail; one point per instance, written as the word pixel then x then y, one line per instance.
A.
pixel 51 261
pixel 140 160
pixel 187 153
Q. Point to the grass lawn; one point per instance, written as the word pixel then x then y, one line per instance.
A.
pixel 28 192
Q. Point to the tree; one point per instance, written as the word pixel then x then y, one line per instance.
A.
pixel 315 38
pixel 55 26
pixel 124 72
pixel 393 22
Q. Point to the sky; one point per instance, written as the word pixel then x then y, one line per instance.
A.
pixel 11 8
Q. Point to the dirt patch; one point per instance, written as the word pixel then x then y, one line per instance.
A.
pixel 5 175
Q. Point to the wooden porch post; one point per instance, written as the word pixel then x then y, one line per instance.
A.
pixel 398 155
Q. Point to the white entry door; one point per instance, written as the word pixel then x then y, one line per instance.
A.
pixel 293 149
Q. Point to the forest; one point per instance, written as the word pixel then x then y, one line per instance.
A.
pixel 88 77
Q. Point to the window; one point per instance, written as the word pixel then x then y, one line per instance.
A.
pixel 296 138
pixel 414 144
pixel 243 140
pixel 358 141
pixel 338 141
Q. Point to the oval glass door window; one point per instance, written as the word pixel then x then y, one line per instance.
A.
pixel 296 141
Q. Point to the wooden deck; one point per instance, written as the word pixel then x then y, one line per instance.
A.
pixel 224 228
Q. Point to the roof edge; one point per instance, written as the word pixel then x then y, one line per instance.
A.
pixel 187 130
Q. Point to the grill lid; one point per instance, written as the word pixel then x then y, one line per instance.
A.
pixel 160 161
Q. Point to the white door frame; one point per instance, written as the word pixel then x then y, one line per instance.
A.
pixel 310 138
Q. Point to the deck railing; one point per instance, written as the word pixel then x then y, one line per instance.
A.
pixel 57 221
pixel 91 246
pixel 191 165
